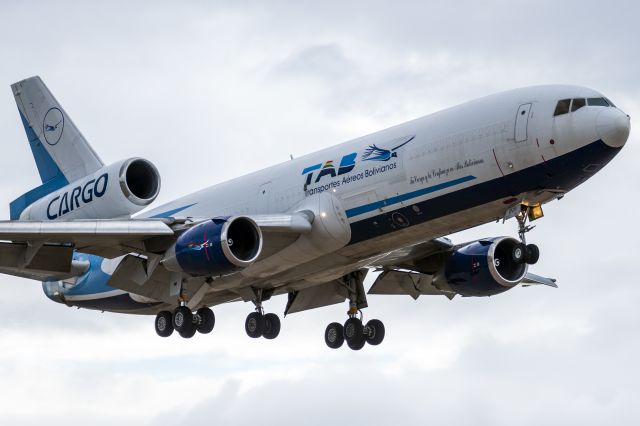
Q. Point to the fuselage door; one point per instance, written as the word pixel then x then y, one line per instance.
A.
pixel 522 122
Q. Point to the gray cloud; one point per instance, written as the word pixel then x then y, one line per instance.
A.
pixel 195 87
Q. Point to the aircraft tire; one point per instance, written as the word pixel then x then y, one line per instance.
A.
pixel 254 325
pixel 375 334
pixel 208 320
pixel 532 254
pixel 518 254
pixel 182 319
pixel 334 335
pixel 271 326
pixel 188 333
pixel 354 333
pixel 164 324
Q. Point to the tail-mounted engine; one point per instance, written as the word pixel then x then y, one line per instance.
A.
pixel 117 190
pixel 215 247
pixel 486 267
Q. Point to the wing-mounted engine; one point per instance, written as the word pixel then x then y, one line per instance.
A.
pixel 215 247
pixel 479 268
pixel 114 191
pixel 486 267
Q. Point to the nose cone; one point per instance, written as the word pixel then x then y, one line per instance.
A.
pixel 613 127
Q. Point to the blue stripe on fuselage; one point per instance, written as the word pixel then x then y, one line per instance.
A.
pixel 405 197
pixel 171 212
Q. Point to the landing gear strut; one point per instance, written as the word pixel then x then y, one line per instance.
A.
pixel 185 322
pixel 354 332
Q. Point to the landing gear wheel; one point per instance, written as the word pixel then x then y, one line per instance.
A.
pixel 271 326
pixel 532 254
pixel 354 333
pixel 183 320
pixel 375 332
pixel 254 325
pixel 207 320
pixel 164 324
pixel 518 253
pixel 334 335
pixel 188 333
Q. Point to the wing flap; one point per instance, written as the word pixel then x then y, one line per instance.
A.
pixel 48 263
pixel 410 283
pixel 320 295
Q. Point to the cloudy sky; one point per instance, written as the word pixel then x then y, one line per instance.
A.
pixel 212 90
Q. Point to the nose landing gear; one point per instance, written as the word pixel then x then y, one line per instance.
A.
pixel 523 252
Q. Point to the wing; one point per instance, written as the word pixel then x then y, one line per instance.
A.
pixel 533 279
pixel 44 250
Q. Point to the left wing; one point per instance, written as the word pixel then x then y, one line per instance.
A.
pixel 44 250
pixel 108 238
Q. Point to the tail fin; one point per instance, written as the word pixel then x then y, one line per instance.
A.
pixel 61 153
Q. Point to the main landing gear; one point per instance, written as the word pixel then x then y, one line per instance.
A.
pixel 354 332
pixel 185 322
pixel 258 324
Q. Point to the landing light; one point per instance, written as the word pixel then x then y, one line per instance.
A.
pixel 535 212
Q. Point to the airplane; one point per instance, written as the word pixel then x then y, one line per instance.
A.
pixel 310 228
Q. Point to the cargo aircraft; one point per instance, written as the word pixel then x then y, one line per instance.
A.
pixel 310 228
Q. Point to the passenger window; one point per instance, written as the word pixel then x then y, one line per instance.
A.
pixel 562 107
pixel 577 104
pixel 597 102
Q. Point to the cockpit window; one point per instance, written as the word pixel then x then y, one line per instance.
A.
pixel 610 103
pixel 562 107
pixel 597 102
pixel 577 104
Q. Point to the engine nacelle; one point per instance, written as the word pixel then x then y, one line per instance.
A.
pixel 485 267
pixel 216 247
pixel 117 190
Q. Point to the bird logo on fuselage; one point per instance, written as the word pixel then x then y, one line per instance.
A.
pixel 375 153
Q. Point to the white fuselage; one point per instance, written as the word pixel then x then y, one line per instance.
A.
pixel 420 180
pixel 463 147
